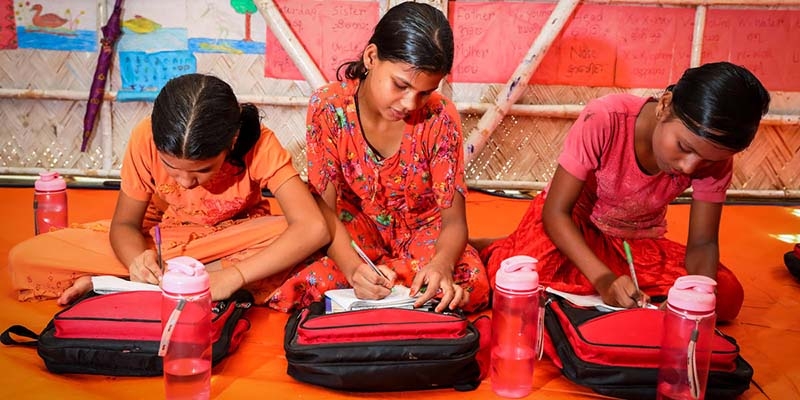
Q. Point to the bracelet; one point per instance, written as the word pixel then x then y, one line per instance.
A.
pixel 244 281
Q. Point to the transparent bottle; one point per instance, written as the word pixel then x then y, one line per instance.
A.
pixel 689 322
pixel 49 202
pixel 516 327
pixel 186 323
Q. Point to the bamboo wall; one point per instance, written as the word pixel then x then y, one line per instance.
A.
pixel 43 95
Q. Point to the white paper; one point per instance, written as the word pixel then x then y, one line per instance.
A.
pixel 105 284
pixel 347 300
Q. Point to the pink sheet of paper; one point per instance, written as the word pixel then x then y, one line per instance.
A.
pixel 587 47
pixel 332 32
pixel 764 41
pixel 654 45
pixel 491 38
pixel 8 26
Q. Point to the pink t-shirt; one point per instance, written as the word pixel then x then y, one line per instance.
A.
pixel 618 197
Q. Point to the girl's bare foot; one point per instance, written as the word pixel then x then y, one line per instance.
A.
pixel 81 286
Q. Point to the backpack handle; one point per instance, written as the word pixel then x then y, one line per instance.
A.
pixel 19 330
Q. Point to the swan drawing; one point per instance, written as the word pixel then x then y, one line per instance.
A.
pixel 49 20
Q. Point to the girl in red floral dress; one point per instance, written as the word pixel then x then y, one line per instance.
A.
pixel 385 154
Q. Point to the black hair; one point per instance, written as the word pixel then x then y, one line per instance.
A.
pixel 720 102
pixel 197 117
pixel 417 34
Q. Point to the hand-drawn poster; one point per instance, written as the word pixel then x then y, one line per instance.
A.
pixel 233 27
pixel 153 48
pixel 586 50
pixel 8 25
pixel 331 31
pixel 491 38
pixel 68 25
pixel 653 45
pixel 764 41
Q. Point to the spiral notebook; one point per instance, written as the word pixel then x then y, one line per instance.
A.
pixel 337 300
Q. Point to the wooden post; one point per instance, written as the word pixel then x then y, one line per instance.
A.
pixel 291 44
pixel 697 36
pixel 519 79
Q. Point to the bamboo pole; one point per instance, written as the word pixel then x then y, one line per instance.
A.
pixel 93 173
pixel 566 111
pixel 571 111
pixel 513 89
pixel 291 44
pixel 697 36
pixel 79 95
pixel 107 135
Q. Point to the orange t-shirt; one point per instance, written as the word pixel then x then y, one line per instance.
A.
pixel 226 196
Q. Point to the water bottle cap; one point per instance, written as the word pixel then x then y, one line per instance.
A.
pixel 518 273
pixel 185 275
pixel 49 181
pixel 693 293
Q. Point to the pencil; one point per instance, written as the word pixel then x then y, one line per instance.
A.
pixel 630 265
pixel 366 259
pixel 158 248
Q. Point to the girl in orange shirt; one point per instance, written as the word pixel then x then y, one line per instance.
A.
pixel 196 168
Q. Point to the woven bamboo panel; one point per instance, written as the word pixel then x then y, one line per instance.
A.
pixel 46 133
pixel 46 70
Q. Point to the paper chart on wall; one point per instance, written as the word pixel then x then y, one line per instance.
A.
pixel 67 25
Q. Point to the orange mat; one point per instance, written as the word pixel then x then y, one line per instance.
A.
pixel 767 328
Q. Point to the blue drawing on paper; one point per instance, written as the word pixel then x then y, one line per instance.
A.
pixel 208 45
pixel 144 74
pixel 237 29
pixel 159 39
pixel 38 28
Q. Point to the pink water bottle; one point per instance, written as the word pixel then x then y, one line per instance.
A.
pixel 49 202
pixel 686 342
pixel 186 324
pixel 516 328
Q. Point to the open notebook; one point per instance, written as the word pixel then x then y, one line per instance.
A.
pixel 337 300
pixel 588 300
pixel 105 284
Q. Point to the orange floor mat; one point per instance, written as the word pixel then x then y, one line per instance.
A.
pixel 767 328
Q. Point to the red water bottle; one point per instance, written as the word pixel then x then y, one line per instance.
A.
pixel 186 324
pixel 49 202
pixel 687 338
pixel 516 326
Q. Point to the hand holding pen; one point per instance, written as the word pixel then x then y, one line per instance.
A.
pixel 366 259
pixel 363 256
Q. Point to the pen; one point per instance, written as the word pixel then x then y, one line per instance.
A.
pixel 366 259
pixel 158 248
pixel 630 265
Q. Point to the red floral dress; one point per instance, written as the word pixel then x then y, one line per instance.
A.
pixel 392 206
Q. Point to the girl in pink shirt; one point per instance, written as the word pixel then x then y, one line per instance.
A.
pixel 624 160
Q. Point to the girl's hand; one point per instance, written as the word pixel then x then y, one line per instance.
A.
pixel 224 282
pixel 438 280
pixel 367 284
pixel 621 292
pixel 145 268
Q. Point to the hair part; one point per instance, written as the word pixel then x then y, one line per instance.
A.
pixel 417 34
pixel 197 117
pixel 720 102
